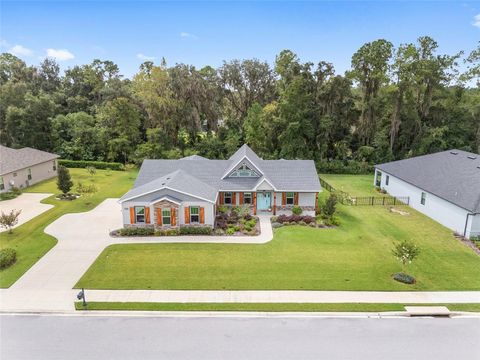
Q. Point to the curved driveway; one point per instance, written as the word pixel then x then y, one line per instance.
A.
pixel 30 205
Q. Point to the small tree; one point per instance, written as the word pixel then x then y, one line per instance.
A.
pixel 64 181
pixel 406 252
pixel 329 207
pixel 9 220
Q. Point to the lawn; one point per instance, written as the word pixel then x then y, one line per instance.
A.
pixel 270 307
pixel 355 185
pixel 355 256
pixel 30 241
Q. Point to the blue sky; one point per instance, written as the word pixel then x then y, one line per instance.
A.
pixel 206 33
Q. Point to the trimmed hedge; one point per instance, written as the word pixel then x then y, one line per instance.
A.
pixel 195 230
pixel 96 164
pixel 136 231
pixel 7 257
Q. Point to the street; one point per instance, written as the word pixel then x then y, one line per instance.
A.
pixel 131 337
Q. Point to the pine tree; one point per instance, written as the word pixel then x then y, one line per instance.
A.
pixel 64 181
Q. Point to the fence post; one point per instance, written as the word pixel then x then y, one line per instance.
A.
pixel 383 201
pixel 394 200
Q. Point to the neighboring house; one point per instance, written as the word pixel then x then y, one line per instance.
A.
pixel 24 167
pixel 444 186
pixel 188 191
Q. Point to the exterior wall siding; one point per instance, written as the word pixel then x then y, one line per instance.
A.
pixel 440 210
pixel 40 172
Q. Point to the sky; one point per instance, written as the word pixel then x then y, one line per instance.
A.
pixel 207 33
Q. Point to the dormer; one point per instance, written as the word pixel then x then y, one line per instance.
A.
pixel 244 163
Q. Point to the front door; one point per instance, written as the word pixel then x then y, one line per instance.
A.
pixel 264 200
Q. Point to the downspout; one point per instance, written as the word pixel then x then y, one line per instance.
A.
pixel 466 222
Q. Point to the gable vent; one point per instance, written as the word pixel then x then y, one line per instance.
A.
pixel 471 157
pixel 454 152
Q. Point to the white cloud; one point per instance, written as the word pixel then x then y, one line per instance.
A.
pixel 19 50
pixel 60 54
pixel 476 21
pixel 188 35
pixel 145 57
pixel 4 43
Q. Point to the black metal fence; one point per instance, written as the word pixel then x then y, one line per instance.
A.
pixel 347 199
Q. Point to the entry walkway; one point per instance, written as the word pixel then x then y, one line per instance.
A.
pixel 30 205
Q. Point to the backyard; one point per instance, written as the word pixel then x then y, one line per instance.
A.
pixel 30 241
pixel 355 256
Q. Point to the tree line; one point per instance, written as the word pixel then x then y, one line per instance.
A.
pixel 393 103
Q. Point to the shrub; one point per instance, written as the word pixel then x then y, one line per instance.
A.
pixel 196 230
pixel 92 170
pixel 252 222
pixel 297 210
pixel 8 256
pixel 223 209
pixel 9 220
pixel 404 278
pixel 308 219
pixel 219 232
pixel 64 181
pixel 248 216
pixel 329 207
pixel 68 197
pixel 405 252
pixel 276 225
pixel 230 231
pixel 85 189
pixel 221 221
pixel 136 231
pixel 95 164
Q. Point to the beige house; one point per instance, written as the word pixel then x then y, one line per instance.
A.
pixel 24 167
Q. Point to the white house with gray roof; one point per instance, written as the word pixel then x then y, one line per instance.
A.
pixel 444 186
pixel 24 167
pixel 188 191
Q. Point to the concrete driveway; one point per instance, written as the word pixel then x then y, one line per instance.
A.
pixel 30 205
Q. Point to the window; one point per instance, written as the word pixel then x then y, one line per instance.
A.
pixel 387 180
pixel 290 198
pixel 379 179
pixel 247 198
pixel 54 167
pixel 29 174
pixel 244 171
pixel 227 198
pixel 424 197
pixel 166 216
pixel 2 184
pixel 194 214
pixel 14 174
pixel 139 214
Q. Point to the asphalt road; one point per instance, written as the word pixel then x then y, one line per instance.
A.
pixel 86 337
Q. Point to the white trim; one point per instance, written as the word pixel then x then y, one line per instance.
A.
pixel 168 188
pixel 165 198
pixel 261 182
pixel 236 164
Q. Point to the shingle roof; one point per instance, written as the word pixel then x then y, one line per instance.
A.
pixel 17 159
pixel 452 175
pixel 177 180
pixel 285 175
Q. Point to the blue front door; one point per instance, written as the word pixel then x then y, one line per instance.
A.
pixel 264 200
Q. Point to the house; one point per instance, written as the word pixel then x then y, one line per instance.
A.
pixel 24 167
pixel 189 191
pixel 445 186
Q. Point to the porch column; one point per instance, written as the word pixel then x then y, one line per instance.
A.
pixel 254 203
pixel 316 203
pixel 274 203
pixel 375 178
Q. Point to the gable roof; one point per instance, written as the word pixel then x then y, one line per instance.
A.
pixel 16 159
pixel 452 175
pixel 179 181
pixel 203 178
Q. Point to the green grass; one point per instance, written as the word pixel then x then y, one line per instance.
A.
pixel 355 256
pixel 30 241
pixel 270 307
pixel 355 185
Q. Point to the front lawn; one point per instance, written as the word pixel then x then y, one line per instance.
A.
pixel 30 241
pixel 355 256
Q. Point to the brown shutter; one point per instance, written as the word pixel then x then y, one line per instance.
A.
pixel 187 215
pixel 234 198
pixel 221 199
pixel 147 214
pixel 173 219
pixel 242 201
pixel 284 198
pixel 295 198
pixel 159 217
pixel 132 215
pixel 202 215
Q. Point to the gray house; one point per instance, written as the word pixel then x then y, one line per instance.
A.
pixel 23 167
pixel 169 193
pixel 444 186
